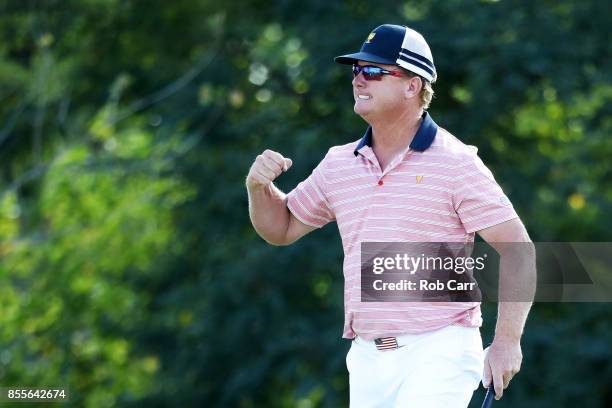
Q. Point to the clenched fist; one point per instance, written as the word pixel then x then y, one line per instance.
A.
pixel 266 168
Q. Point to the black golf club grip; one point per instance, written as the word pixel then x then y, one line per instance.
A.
pixel 488 401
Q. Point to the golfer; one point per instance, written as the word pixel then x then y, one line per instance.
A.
pixel 406 180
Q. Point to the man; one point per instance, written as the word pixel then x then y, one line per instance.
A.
pixel 405 180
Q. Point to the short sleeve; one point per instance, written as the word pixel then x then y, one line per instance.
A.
pixel 478 200
pixel 308 202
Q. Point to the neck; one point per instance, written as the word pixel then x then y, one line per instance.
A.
pixel 392 136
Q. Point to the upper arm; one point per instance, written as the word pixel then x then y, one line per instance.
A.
pixel 296 229
pixel 308 205
pixel 509 231
pixel 516 251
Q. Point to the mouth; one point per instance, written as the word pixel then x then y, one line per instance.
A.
pixel 364 97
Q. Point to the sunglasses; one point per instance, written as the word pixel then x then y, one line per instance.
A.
pixel 373 73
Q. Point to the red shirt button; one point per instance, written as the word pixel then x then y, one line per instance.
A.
pixel 380 182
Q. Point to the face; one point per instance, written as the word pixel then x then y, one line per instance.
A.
pixel 376 99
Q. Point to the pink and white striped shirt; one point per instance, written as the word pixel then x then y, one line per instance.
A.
pixel 437 190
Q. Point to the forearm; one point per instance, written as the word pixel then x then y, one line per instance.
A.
pixel 269 213
pixel 511 318
pixel 517 284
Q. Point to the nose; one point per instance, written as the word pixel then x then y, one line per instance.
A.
pixel 359 80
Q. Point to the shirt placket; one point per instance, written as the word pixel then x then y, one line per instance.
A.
pixel 375 165
pixel 380 175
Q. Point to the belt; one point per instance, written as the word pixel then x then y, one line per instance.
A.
pixel 386 343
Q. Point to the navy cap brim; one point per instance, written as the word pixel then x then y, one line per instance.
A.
pixel 350 59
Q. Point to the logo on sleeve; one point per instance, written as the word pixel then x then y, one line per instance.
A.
pixel 419 179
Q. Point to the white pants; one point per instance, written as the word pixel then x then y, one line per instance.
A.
pixel 429 370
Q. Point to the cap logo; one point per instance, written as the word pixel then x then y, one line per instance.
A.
pixel 370 38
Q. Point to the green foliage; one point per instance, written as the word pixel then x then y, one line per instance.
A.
pixel 129 270
pixel 72 303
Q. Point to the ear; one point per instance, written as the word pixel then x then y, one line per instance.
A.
pixel 413 87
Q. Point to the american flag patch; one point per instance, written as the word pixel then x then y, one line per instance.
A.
pixel 386 343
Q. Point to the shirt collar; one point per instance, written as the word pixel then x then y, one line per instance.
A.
pixel 423 138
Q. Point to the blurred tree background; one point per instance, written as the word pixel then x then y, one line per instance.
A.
pixel 129 271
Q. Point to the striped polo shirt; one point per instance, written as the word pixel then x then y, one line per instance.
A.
pixel 437 190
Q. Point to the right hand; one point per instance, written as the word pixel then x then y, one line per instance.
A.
pixel 266 168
